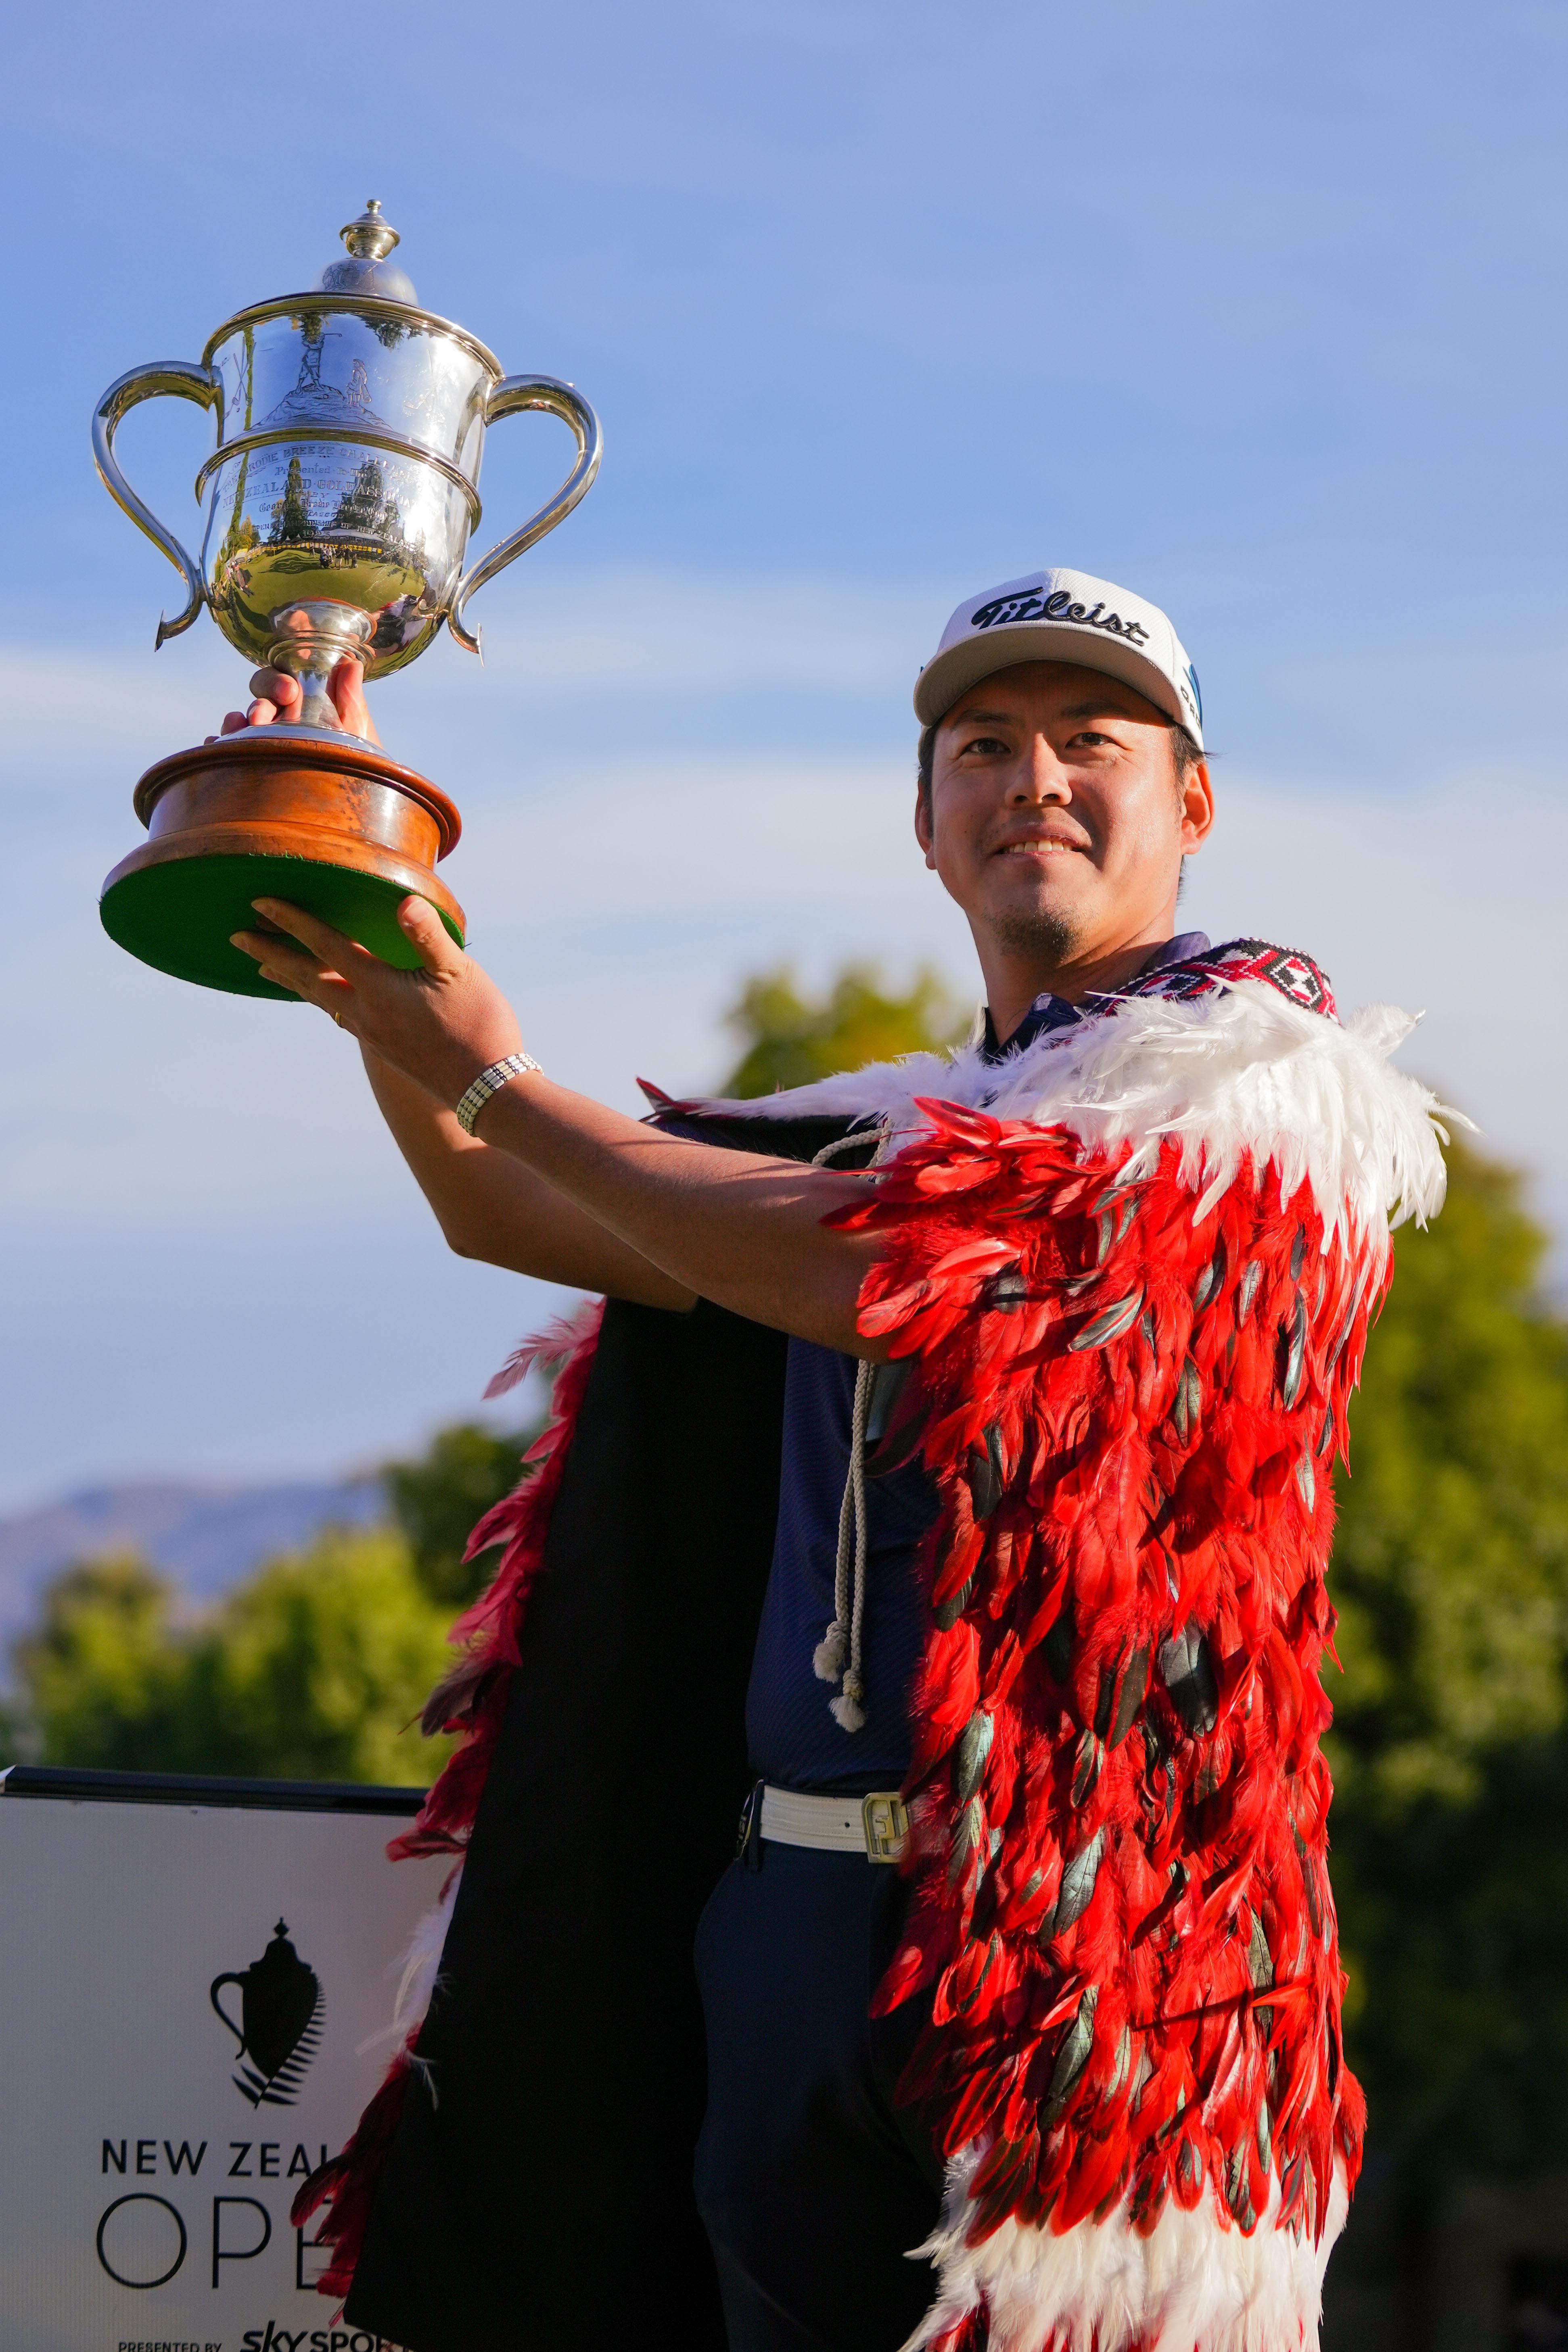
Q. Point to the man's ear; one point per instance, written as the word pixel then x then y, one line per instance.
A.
pixel 923 833
pixel 1197 807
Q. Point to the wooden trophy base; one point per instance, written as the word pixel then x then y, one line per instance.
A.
pixel 325 821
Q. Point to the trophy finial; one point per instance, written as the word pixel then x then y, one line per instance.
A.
pixel 372 237
pixel 367 271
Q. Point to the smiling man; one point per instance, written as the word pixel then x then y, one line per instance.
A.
pixel 948 1475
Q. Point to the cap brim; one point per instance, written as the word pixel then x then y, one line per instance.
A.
pixel 952 673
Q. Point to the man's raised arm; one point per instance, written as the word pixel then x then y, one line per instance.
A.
pixel 491 1207
pixel 487 1203
pixel 744 1230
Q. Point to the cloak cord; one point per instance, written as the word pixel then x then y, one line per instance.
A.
pixel 836 1658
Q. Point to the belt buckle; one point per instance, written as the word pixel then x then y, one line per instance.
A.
pixel 887 1822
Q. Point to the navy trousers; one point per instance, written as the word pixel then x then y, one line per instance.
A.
pixel 813 2183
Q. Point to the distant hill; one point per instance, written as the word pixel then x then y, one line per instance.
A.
pixel 205 1537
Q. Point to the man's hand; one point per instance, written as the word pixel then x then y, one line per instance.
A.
pixel 278 697
pixel 440 1026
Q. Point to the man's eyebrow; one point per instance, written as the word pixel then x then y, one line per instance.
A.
pixel 1098 706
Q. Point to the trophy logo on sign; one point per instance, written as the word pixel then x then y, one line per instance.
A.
pixel 279 2025
pixel 337 502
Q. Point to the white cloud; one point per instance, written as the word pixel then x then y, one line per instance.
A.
pixel 664 633
pixel 68 710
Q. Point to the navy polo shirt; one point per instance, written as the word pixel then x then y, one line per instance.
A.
pixel 794 1741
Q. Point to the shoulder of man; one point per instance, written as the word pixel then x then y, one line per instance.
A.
pixel 1292 974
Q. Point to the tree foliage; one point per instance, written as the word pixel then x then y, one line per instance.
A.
pixel 790 1039
pixel 312 1669
pixel 101 1680
pixel 1450 1741
pixel 439 1500
pixel 322 1664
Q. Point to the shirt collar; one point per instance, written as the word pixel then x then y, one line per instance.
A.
pixel 1049 1012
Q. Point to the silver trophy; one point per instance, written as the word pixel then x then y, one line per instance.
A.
pixel 339 502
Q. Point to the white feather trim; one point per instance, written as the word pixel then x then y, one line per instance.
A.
pixel 1100 2287
pixel 422 1959
pixel 419 1964
pixel 1243 1073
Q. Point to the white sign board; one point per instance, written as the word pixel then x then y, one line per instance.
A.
pixel 194 2001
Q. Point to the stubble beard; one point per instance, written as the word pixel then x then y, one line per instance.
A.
pixel 1052 938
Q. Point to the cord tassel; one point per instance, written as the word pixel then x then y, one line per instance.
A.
pixel 831 1655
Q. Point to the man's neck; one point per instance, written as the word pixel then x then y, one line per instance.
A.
pixel 1014 982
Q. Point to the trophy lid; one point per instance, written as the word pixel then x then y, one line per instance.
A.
pixel 367 270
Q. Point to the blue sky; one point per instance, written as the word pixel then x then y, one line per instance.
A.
pixel 1257 312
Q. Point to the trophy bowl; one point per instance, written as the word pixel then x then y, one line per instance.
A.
pixel 338 503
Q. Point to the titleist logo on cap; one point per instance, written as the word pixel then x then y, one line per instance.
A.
pixel 1033 605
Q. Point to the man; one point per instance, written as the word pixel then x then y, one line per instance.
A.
pixel 1033 1502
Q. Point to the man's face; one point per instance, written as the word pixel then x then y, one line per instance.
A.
pixel 1056 820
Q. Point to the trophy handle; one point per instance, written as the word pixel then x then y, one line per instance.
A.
pixel 216 1987
pixel 189 381
pixel 546 392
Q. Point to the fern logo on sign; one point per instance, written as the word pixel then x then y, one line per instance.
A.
pixel 280 2026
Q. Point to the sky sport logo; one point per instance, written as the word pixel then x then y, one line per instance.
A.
pixel 279 2337
pixel 274 2337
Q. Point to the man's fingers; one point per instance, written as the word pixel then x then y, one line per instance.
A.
pixel 281 697
pixel 346 688
pixel 276 687
pixel 332 999
pixel 296 967
pixel 423 927
pixel 332 948
pixel 234 722
pixel 329 994
pixel 277 696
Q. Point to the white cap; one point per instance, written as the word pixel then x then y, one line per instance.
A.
pixel 1055 615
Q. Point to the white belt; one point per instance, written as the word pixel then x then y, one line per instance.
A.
pixel 875 1826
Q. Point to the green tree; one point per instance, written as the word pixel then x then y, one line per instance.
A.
pixel 317 1666
pixel 439 1500
pixel 1450 1740
pixel 360 507
pixel 1451 1563
pixel 103 1681
pixel 291 513
pixel 312 1669
pixel 790 1039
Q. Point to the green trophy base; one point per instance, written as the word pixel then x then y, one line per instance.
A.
pixel 324 821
